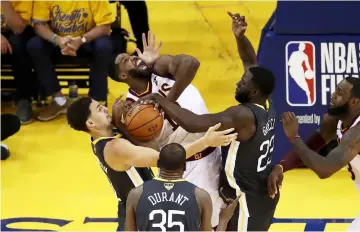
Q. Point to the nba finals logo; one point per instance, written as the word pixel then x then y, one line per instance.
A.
pixel 338 61
pixel 300 73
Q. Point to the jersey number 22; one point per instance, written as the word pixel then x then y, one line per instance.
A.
pixel 166 219
pixel 267 147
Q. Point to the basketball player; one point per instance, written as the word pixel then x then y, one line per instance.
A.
pixel 124 163
pixel 169 202
pixel 171 76
pixel 246 162
pixel 344 105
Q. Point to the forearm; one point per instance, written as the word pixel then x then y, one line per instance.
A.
pixel 195 147
pixel 222 226
pixel 13 19
pixel 44 31
pixel 246 51
pixel 97 32
pixel 311 159
pixel 186 119
pixel 185 73
pixel 292 160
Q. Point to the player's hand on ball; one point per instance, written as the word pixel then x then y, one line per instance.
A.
pixel 275 180
pixel 290 124
pixel 118 108
pixel 215 138
pixel 239 25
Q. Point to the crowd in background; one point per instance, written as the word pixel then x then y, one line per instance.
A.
pixel 35 33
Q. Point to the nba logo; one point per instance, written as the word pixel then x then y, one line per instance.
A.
pixel 300 73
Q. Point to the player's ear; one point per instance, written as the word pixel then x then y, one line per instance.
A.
pixel 90 124
pixel 123 76
pixel 254 92
pixel 354 101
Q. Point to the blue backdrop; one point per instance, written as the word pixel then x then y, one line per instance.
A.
pixel 307 68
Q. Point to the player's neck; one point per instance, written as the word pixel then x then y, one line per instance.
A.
pixel 166 175
pixel 261 102
pixel 138 85
pixel 106 132
pixel 350 118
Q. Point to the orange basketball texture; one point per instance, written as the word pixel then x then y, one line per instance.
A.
pixel 144 122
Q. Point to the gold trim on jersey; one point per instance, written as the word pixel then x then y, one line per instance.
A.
pixel 134 176
pixel 267 105
pixel 110 137
pixel 164 180
pixel 229 170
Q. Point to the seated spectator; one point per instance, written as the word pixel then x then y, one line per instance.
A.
pixel 138 16
pixel 15 32
pixel 10 124
pixel 71 28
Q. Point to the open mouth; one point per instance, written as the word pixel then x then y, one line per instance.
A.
pixel 141 64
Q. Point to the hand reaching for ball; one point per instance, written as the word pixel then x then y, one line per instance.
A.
pixel 215 138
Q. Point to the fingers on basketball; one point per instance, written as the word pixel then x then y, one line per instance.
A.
pixel 144 122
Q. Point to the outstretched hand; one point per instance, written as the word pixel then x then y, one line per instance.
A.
pixel 150 51
pixel 239 25
pixel 215 138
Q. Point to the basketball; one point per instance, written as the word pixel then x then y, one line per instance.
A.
pixel 144 122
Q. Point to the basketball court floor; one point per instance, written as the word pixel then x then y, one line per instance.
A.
pixel 52 180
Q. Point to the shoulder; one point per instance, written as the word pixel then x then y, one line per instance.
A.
pixel 134 196
pixel 202 195
pixel 352 138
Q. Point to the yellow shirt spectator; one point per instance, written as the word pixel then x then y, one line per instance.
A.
pixel 24 8
pixel 73 17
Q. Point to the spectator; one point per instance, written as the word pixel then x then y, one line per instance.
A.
pixel 138 16
pixel 71 28
pixel 10 124
pixel 15 32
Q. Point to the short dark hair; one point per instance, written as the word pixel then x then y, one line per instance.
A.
pixel 355 82
pixel 172 157
pixel 264 79
pixel 78 113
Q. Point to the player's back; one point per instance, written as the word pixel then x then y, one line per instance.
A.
pixel 168 206
pixel 248 162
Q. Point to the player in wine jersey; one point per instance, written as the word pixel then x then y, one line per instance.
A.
pixel 246 163
pixel 344 122
pixel 172 80
pixel 169 202
pixel 124 163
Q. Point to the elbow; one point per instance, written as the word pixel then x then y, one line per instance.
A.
pixel 192 62
pixel 106 29
pixel 324 175
pixel 19 28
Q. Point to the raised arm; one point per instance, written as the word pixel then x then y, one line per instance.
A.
pixel 245 48
pixel 181 68
pixel 239 117
pixel 131 204
pixel 120 152
pixel 324 167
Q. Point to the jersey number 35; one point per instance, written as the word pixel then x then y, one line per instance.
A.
pixel 166 219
